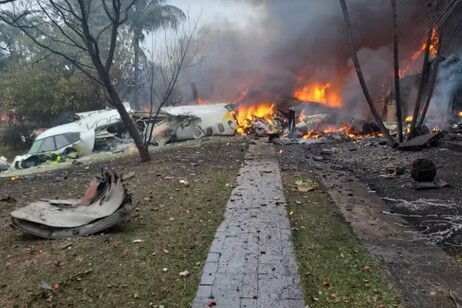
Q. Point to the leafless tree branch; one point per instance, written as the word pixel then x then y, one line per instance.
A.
pixel 175 55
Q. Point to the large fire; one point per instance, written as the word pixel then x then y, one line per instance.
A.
pixel 319 92
pixel 345 129
pixel 435 39
pixel 248 113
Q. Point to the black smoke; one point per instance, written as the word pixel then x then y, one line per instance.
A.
pixel 302 38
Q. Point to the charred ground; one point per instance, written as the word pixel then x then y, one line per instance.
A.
pixel 435 212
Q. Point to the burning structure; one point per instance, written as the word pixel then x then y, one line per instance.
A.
pixel 301 66
pixel 299 53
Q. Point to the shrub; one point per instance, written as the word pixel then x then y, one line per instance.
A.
pixel 19 136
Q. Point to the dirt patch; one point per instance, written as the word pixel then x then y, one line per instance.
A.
pixel 137 263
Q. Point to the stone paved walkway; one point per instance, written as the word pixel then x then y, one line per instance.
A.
pixel 251 262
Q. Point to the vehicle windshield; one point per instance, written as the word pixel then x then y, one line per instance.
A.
pixel 54 143
pixel 35 146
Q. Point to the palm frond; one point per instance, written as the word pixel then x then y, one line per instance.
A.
pixel 155 14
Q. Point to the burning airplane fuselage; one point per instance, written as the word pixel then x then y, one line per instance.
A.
pixel 299 51
pixel 328 93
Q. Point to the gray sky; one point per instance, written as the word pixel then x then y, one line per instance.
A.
pixel 210 13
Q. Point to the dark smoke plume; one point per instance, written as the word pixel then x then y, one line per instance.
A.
pixel 301 41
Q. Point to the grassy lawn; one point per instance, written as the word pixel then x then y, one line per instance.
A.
pixel 336 271
pixel 138 263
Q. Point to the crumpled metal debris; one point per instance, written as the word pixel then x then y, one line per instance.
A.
pixel 311 123
pixel 182 123
pixel 105 204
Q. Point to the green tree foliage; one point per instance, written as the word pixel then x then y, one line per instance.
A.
pixel 46 89
pixel 18 136
pixel 41 92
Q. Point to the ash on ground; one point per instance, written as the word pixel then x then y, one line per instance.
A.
pixel 435 212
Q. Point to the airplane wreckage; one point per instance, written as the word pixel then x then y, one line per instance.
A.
pixel 105 204
pixel 102 130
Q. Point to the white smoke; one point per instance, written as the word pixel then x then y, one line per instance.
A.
pixel 448 82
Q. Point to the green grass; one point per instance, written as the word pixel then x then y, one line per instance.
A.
pixel 176 225
pixel 336 271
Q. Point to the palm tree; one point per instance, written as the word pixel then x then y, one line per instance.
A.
pixel 145 16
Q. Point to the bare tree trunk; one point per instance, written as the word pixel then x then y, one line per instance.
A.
pixel 357 66
pixel 136 64
pixel 128 122
pixel 432 79
pixel 126 119
pixel 399 114
pixel 423 80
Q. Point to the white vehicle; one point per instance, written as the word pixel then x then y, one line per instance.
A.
pixel 79 136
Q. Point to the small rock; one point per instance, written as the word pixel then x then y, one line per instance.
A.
pixel 184 274
pixel 318 158
pixel 128 176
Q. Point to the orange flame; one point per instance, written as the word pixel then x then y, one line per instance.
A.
pixel 248 113
pixel 319 92
pixel 332 130
pixel 202 101
pixel 435 39
pixel 302 116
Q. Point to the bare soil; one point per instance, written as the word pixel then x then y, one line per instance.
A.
pixel 136 263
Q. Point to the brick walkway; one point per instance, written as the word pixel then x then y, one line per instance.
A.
pixel 251 262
